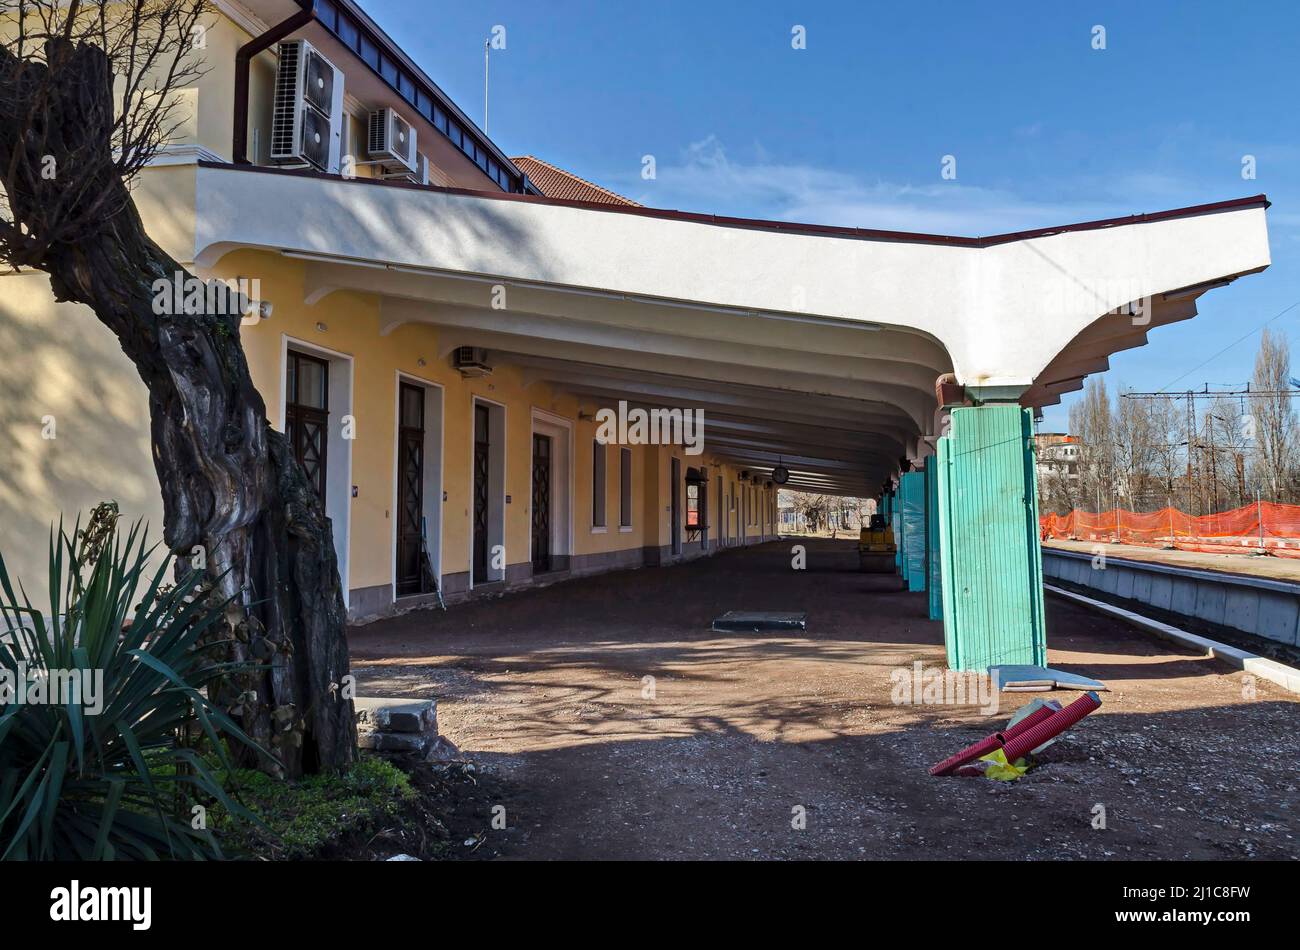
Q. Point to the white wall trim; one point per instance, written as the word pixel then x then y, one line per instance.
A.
pixel 242 17
pixel 189 153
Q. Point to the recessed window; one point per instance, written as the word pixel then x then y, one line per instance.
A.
pixel 326 13
pixel 369 53
pixel 625 488
pixel 597 484
pixel 348 32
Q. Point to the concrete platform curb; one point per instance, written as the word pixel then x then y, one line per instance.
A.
pixel 1285 676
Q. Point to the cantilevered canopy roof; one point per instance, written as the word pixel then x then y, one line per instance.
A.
pixel 813 346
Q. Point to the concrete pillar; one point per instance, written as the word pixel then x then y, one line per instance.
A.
pixel 895 525
pixel 988 536
pixel 911 494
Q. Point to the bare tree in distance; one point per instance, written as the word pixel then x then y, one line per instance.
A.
pixel 1274 416
pixel 1201 451
pixel 814 510
pixel 811 508
pixel 87 98
pixel 1091 419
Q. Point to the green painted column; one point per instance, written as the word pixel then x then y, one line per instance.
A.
pixel 933 563
pixel 911 495
pixel 992 588
pixel 891 519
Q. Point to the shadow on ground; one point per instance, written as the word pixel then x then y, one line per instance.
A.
pixel 616 724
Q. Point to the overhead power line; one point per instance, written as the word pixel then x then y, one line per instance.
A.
pixel 1240 339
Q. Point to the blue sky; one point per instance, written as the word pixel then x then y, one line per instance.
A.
pixel 851 130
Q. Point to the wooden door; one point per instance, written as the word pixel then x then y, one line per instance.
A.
pixel 306 416
pixel 541 514
pixel 482 471
pixel 410 490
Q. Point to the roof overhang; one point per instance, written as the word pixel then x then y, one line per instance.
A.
pixel 796 328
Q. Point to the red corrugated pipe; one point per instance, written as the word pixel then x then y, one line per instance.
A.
pixel 993 742
pixel 1033 737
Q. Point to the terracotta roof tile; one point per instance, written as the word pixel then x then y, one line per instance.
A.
pixel 555 182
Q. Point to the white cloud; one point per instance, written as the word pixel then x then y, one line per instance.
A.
pixel 706 179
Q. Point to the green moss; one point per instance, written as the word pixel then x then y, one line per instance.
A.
pixel 303 817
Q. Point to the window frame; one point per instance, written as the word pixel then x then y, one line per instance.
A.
pixel 625 488
pixel 599 485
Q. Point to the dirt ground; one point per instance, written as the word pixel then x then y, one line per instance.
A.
pixel 1272 567
pixel 737 736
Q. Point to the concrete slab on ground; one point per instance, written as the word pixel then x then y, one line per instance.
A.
pixel 755 621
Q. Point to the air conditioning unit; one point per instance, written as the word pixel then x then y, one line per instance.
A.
pixel 307 115
pixel 471 361
pixel 421 169
pixel 391 141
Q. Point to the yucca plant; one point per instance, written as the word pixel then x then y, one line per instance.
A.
pixel 121 781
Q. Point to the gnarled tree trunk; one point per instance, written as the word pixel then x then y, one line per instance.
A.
pixel 229 482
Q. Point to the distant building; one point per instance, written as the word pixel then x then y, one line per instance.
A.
pixel 787 518
pixel 1058 456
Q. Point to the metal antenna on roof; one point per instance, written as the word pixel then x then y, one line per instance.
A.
pixel 487 44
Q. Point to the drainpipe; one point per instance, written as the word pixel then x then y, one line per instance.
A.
pixel 239 140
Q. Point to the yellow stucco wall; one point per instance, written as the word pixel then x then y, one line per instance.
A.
pixel 71 370
pixel 353 329
pixel 74 419
pixel 68 379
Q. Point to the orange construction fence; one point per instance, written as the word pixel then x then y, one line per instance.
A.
pixel 1264 526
